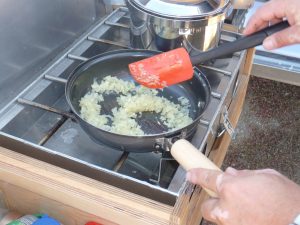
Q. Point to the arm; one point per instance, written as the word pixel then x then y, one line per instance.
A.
pixel 245 197
pixel 273 12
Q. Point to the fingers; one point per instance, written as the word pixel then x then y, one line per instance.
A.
pixel 267 171
pixel 209 179
pixel 206 209
pixel 254 26
pixel 288 36
pixel 274 21
pixel 212 211
pixel 240 173
pixel 231 171
pixel 271 11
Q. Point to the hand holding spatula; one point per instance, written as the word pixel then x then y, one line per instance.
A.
pixel 176 66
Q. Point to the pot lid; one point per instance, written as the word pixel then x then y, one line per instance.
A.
pixel 182 8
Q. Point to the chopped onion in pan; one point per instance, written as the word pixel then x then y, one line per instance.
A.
pixel 132 101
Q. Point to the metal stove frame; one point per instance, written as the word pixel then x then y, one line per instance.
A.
pixel 210 126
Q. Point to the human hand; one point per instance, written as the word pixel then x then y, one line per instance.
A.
pixel 273 12
pixel 260 197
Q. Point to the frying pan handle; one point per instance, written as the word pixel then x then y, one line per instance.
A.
pixel 189 157
pixel 239 45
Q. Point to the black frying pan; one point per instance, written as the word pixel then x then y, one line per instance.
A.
pixel 115 63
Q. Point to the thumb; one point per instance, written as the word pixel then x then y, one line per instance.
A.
pixel 282 38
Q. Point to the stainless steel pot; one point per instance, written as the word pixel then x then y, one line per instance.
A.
pixel 168 24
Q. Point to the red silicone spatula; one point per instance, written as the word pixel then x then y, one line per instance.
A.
pixel 176 66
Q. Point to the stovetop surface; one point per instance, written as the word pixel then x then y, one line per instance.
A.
pixel 56 134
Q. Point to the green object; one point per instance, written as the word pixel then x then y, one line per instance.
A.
pixel 26 220
pixel 15 222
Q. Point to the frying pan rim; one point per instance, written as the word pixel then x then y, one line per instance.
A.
pixel 103 56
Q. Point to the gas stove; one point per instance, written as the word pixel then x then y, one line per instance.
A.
pixel 37 122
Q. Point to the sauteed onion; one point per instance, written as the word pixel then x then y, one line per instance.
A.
pixel 132 102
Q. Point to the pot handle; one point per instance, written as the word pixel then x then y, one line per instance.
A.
pixel 189 157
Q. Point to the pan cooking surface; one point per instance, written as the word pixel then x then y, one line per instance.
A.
pixel 115 64
pixel 150 122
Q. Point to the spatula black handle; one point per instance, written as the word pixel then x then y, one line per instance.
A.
pixel 238 45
